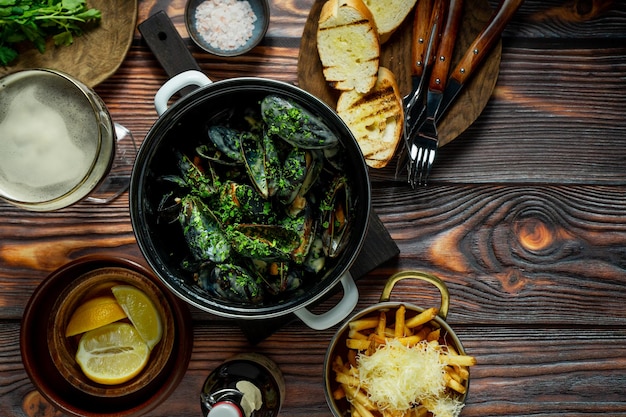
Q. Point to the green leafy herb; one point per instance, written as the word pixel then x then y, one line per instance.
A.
pixel 35 21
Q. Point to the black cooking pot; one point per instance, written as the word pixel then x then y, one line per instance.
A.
pixel 162 243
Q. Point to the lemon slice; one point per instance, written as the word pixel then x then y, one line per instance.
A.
pixel 94 313
pixel 112 354
pixel 141 311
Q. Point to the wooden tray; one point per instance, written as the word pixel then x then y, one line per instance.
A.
pixel 96 54
pixel 396 55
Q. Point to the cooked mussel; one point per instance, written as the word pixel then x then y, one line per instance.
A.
pixel 231 282
pixel 295 124
pixel 336 210
pixel 226 140
pixel 202 231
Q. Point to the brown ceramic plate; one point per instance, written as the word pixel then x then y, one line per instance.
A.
pixel 94 56
pixel 53 384
pixel 396 54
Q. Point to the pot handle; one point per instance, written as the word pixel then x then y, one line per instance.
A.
pixel 422 276
pixel 175 84
pixel 339 312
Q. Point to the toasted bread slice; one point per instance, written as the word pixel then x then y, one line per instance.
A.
pixel 389 15
pixel 348 46
pixel 375 118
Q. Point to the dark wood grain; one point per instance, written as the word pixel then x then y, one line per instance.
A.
pixel 524 219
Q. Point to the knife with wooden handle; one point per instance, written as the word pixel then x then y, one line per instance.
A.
pixel 423 57
pixel 477 52
pixel 424 140
pixel 419 49
pixel 421 46
pixel 443 58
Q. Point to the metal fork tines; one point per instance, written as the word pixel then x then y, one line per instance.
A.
pixel 426 140
pixel 415 109
pixel 422 152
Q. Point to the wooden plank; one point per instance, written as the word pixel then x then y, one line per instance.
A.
pixel 546 371
pixel 558 248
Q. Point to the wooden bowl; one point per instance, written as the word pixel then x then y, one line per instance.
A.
pixel 63 349
pixel 48 355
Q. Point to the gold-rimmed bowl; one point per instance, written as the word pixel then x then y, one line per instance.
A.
pixel 337 346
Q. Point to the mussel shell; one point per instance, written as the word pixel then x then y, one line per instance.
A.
pixel 295 124
pixel 254 157
pixel 202 231
pixel 233 283
pixel 264 241
pixel 226 140
pixel 336 216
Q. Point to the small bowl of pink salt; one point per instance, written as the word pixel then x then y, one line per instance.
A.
pixel 227 27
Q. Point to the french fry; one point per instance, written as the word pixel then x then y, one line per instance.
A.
pixel 410 340
pixel 423 317
pixel 452 350
pixel 358 344
pixel 352 354
pixel 355 334
pixel 462 371
pixel 453 384
pixel 460 360
pixel 452 373
pixel 433 335
pixel 339 393
pixel 347 379
pixel 423 333
pixel 355 394
pixel 338 362
pixel 399 324
pixel 364 412
pixel 378 340
pixel 365 323
pixel 382 323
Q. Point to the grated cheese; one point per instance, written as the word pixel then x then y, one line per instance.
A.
pixel 445 407
pixel 389 376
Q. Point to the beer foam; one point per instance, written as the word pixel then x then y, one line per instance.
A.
pixel 49 139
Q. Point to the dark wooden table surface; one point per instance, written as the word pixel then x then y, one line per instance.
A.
pixel 524 218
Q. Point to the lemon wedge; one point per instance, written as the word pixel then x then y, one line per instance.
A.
pixel 112 354
pixel 141 311
pixel 94 313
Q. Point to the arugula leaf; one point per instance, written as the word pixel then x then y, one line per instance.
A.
pixel 37 20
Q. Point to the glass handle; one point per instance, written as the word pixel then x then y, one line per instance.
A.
pixel 117 180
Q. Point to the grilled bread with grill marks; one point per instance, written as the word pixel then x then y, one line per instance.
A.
pixel 375 118
pixel 389 15
pixel 348 45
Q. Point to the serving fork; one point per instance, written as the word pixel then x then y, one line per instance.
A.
pixel 424 38
pixel 423 147
pixel 426 138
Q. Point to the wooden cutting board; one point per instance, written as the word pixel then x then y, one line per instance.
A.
pixel 95 55
pixel 396 55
